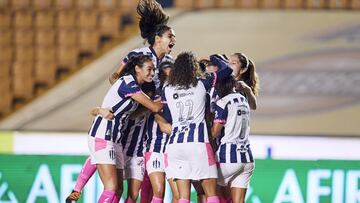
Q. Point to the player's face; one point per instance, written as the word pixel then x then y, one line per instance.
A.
pixel 235 65
pixel 167 41
pixel 167 71
pixel 146 72
pixel 211 69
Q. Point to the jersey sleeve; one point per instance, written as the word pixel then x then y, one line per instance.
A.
pixel 221 113
pixel 209 81
pixel 128 88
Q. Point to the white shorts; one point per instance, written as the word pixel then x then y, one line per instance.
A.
pixel 134 168
pixel 235 174
pixel 154 162
pixel 190 161
pixel 105 152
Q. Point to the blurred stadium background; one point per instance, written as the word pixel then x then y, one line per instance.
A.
pixel 56 56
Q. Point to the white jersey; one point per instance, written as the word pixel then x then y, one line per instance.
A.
pixel 118 98
pixel 150 52
pixel 187 111
pixel 233 112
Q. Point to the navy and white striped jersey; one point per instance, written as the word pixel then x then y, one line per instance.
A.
pixel 150 52
pixel 118 98
pixel 187 111
pixel 156 140
pixel 133 136
pixel 233 112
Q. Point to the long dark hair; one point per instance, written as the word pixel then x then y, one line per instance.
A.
pixel 153 20
pixel 250 77
pixel 133 62
pixel 225 87
pixel 184 72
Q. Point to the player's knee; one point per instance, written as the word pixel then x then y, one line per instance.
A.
pixel 158 191
pixel 133 195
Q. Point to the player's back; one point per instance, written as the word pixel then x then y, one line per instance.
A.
pixel 187 109
pixel 237 125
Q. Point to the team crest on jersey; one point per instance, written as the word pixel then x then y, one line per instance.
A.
pixel 156 163
pixel 112 154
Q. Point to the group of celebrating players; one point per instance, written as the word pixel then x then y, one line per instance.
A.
pixel 184 121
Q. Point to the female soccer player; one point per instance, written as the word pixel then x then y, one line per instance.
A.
pixel 245 73
pixel 161 39
pixel 132 141
pixel 155 146
pixel 232 126
pixel 122 98
pixel 154 30
pixel 189 154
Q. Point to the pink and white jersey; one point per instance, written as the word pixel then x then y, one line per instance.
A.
pixel 233 112
pixel 187 111
pixel 118 98
pixel 150 52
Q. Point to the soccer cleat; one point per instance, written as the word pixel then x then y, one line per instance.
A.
pixel 73 197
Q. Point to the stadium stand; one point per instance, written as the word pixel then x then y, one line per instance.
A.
pixel 43 41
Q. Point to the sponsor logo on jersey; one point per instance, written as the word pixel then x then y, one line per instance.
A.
pixel 186 94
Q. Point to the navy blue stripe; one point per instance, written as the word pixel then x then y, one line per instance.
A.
pixel 158 138
pixel 108 131
pixel 233 157
pixel 167 138
pixel 116 129
pixel 141 144
pixel 123 125
pixel 96 126
pixel 157 59
pixel 190 138
pixel 222 154
pixel 127 108
pixel 250 155
pixel 126 132
pixel 201 132
pixel 243 157
pixel 134 139
pixel 181 137
pixel 173 135
pixel 118 105
pixel 149 132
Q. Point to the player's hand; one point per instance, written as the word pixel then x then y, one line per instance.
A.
pixel 158 99
pixel 114 77
pixel 106 113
